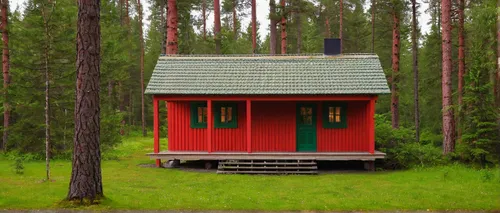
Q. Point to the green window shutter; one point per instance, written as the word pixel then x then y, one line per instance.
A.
pixel 218 107
pixel 194 115
pixel 330 116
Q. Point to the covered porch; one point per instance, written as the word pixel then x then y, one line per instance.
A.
pixel 249 147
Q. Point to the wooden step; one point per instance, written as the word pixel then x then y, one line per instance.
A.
pixel 269 167
pixel 267 172
pixel 265 163
pixel 287 166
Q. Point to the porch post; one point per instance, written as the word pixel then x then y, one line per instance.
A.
pixel 249 126
pixel 156 129
pixel 371 125
pixel 209 125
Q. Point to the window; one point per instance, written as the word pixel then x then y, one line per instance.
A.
pixel 306 115
pixel 335 115
pixel 198 115
pixel 226 115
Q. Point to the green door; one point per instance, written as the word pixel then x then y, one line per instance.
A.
pixel 306 127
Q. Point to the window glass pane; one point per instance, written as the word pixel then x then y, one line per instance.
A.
pixel 229 114
pixel 331 115
pixel 305 115
pixel 200 114
pixel 337 112
pixel 204 115
pixel 223 114
pixel 337 118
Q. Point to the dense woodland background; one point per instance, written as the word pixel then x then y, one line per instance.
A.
pixel 39 82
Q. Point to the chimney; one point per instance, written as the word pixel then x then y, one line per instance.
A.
pixel 332 46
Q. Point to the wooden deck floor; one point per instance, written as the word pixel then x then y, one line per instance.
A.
pixel 328 156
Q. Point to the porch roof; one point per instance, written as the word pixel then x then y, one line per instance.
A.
pixel 268 75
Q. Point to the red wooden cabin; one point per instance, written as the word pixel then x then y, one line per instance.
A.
pixel 268 107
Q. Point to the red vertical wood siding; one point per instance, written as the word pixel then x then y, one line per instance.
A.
pixel 351 139
pixel 232 139
pixel 273 126
pixel 181 137
pixel 273 129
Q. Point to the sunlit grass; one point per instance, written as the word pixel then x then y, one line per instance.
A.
pixel 129 186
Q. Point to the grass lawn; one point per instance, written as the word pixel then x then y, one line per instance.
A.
pixel 128 186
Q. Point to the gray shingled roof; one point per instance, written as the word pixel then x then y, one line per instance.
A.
pixel 264 75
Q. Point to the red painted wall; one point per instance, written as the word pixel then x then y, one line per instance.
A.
pixel 352 138
pixel 273 129
pixel 233 140
pixel 273 126
pixel 181 137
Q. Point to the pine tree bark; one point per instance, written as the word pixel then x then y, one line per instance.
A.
pixel 172 44
pixel 414 41
pixel 5 69
pixel 86 178
pixel 395 69
pixel 496 89
pixel 254 27
pixel 47 90
pixel 141 61
pixel 461 60
pixel 235 20
pixel 127 15
pixel 272 31
pixel 204 16
pixel 448 117
pixel 328 33
pixel 299 32
pixel 373 26
pixel 217 35
pixel 163 22
pixel 341 23
pixel 283 27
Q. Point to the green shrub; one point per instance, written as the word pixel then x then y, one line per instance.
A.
pixel 415 154
pixel 400 146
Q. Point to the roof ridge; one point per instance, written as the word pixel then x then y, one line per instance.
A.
pixel 267 56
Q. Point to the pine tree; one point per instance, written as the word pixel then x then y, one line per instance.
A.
pixel 217 27
pixel 4 11
pixel 414 41
pixel 172 44
pixel 448 117
pixel 86 178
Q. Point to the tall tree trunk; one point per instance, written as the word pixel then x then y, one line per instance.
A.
pixel 395 69
pixel 5 68
pixel 254 27
pixel 163 27
pixel 141 58
pixel 47 90
pixel 86 178
pixel 283 27
pixel 414 41
pixel 235 20
pixel 461 60
pixel 272 31
pixel 341 23
pixel 172 27
pixel 496 89
pixel 120 5
pixel 204 16
pixel 299 32
pixel 127 15
pixel 448 117
pixel 217 35
pixel 328 33
pixel 373 26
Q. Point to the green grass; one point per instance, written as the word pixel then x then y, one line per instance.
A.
pixel 128 186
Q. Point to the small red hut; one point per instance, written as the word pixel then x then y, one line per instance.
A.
pixel 314 107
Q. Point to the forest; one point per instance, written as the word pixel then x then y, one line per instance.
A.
pixel 445 83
